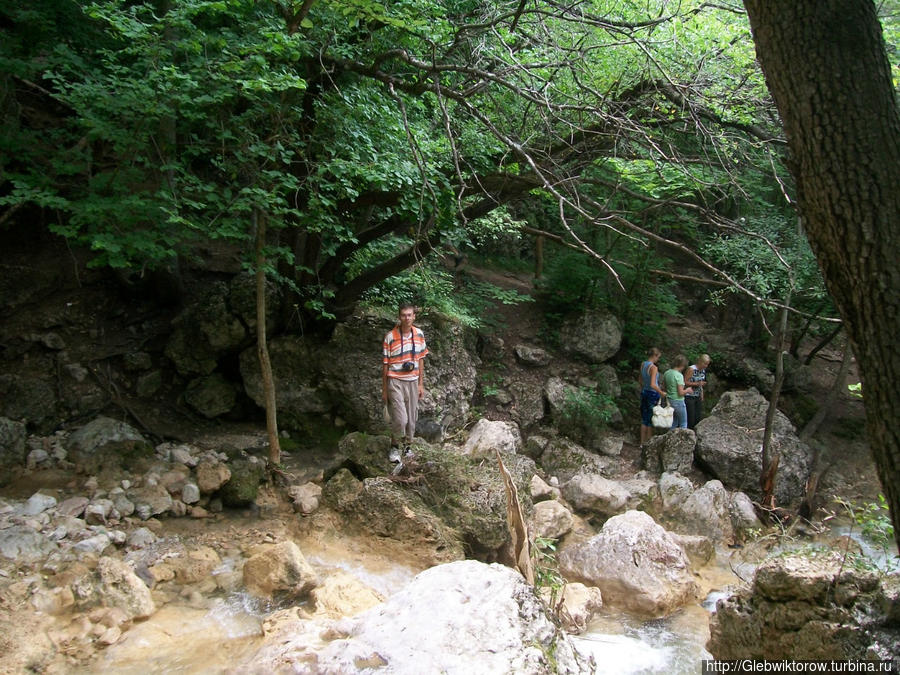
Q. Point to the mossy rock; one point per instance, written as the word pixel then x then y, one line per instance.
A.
pixel 246 475
pixel 386 508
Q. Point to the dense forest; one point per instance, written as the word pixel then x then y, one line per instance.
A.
pixel 340 148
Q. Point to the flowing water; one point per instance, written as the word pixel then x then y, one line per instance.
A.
pixel 209 639
pixel 210 635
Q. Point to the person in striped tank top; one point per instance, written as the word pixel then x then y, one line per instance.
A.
pixel 695 378
pixel 403 378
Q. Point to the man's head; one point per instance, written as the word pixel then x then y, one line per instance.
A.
pixel 407 314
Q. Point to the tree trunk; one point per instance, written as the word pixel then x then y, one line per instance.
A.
pixel 826 67
pixel 837 388
pixel 262 349
pixel 770 459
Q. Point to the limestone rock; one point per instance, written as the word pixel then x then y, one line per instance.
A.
pixel 115 584
pixel 305 497
pixel 38 503
pixel 730 446
pixel 674 490
pixel 106 442
pixel 743 513
pixel 279 570
pixel 594 493
pixel 203 332
pixel 551 520
pixel 211 395
pixel 564 458
pixel 341 594
pixel 594 336
pixel 580 604
pixel 23 544
pixel 195 566
pixel 706 512
pixel 12 446
pixel 211 476
pixel 672 451
pixel 487 436
pixel 531 356
pixel 808 606
pixel 149 501
pixel 635 563
pixel 455 618
pixel 385 509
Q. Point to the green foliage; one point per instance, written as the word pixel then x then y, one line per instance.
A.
pixel 491 384
pixel 855 390
pixel 875 520
pixel 585 411
pixel 546 569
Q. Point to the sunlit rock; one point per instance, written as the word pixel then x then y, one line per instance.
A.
pixel 635 563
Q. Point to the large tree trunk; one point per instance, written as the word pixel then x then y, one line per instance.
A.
pixel 826 68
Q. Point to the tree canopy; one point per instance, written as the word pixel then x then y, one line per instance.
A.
pixel 370 134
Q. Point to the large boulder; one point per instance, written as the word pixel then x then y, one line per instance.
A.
pixel 551 520
pixel 247 472
pixel 105 442
pixel 596 494
pixel 279 570
pixel 707 512
pixel 729 445
pixel 594 336
pixel 466 492
pixel 528 403
pixel 805 606
pixel 150 500
pixel 635 563
pixel 297 390
pixel 460 617
pixel 24 545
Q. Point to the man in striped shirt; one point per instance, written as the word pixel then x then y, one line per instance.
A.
pixel 403 378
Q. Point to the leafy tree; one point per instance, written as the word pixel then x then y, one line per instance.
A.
pixel 354 125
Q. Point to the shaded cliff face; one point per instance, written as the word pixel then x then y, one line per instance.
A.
pixel 76 342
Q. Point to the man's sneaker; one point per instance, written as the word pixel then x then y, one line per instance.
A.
pixel 407 451
pixel 394 454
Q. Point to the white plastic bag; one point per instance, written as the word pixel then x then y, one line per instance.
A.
pixel 663 417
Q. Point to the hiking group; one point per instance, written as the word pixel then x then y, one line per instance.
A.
pixel 403 385
pixel 683 388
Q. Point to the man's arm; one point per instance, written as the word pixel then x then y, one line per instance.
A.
pixel 384 382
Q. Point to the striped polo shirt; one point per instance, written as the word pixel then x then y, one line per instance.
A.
pixel 398 350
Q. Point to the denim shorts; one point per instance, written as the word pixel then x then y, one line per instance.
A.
pixel 649 398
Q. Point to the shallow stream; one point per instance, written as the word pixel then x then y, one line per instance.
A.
pixel 186 639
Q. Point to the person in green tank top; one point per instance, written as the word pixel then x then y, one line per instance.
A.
pixel 675 390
